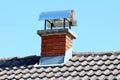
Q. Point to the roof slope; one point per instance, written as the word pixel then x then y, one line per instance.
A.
pixel 82 66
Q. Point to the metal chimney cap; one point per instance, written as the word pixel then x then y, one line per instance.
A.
pixel 57 19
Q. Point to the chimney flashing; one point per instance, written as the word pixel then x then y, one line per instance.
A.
pixel 46 61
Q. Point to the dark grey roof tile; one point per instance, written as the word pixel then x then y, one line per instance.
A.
pixel 98 72
pixel 118 57
pixel 22 67
pixel 89 58
pixel 21 79
pixel 102 77
pixel 82 73
pixel 25 71
pixel 115 72
pixel 63 69
pixel 10 72
pixel 45 78
pixel 17 71
pixel 76 78
pixel 26 75
pixel 33 70
pixel 95 67
pixel 111 77
pixel 108 62
pixel 56 69
pixel 3 77
pixel 111 67
pixel 87 68
pixel 12 76
pixel 37 79
pixel 118 66
pixel 92 63
pixel 74 73
pixel 66 74
pixel 107 72
pixel 100 62
pixel 103 67
pixel 112 57
pixel 35 75
pixel 61 78
pixel 94 77
pixel 75 58
pixel 96 58
pixel 90 73
pixel 3 72
pixel 116 61
pixel 42 75
pixel 77 63
pixel 53 78
pixel 50 74
pixel 81 59
pixel 84 63
pixel 118 77
pixel 91 66
pixel 69 78
pixel 7 68
pixel 19 76
pixel 15 68
pixel 85 78
pixel 30 66
pixel 72 68
pixel 40 70
pixel 59 74
pixel 104 58
pixel 49 69
pixel 79 68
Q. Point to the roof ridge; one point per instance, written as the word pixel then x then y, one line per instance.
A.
pixel 90 53
pixel 13 58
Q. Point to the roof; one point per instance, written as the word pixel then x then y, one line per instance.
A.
pixel 82 66
pixel 54 15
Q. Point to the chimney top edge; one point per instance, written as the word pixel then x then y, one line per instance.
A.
pixel 56 31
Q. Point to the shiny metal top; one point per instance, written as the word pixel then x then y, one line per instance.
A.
pixel 58 19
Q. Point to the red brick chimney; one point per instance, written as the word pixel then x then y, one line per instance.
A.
pixel 55 42
pixel 56 38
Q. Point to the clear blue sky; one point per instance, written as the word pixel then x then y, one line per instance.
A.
pixel 98 25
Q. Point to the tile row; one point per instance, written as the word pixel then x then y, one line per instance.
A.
pixel 61 69
pixel 12 74
pixel 102 77
pixel 95 58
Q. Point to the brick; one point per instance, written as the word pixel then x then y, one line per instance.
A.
pixel 68 47
pixel 54 53
pixel 68 40
pixel 69 44
pixel 44 53
pixel 53 45
pixel 59 48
